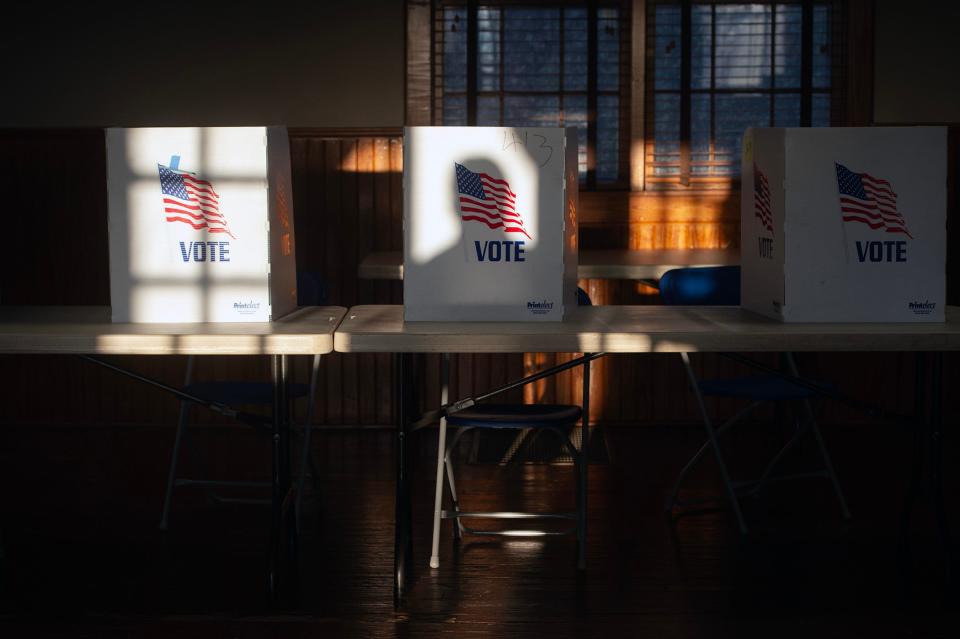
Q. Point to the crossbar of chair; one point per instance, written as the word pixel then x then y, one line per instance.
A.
pixel 251 419
pixel 685 503
pixel 221 483
pixel 519 533
pixel 745 484
pixel 241 500
pixel 430 417
pixel 456 514
pixel 745 487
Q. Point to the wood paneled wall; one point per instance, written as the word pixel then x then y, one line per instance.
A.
pixel 347 192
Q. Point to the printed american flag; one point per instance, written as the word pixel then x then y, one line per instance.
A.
pixel 191 201
pixel 761 198
pixel 869 200
pixel 487 200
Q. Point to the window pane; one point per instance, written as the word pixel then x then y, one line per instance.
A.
pixel 666 133
pixel 700 133
pixel 575 114
pixel 820 110
pixel 533 67
pixel 666 47
pixel 531 49
pixel 454 110
pixel 575 49
pixel 488 49
pixel 701 20
pixel 743 46
pixel 734 114
pixel 745 70
pixel 488 111
pixel 789 43
pixel 700 104
pixel 454 49
pixel 786 109
pixel 608 50
pixel 531 110
pixel 822 68
pixel 608 133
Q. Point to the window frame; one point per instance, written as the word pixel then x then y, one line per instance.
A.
pixel 857 90
pixel 592 93
pixel 685 179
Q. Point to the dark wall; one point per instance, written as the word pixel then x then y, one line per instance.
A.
pixel 327 64
pixel 917 55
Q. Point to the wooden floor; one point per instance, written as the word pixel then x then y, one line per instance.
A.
pixel 84 557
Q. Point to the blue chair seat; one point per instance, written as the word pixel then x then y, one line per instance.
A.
pixel 240 393
pixel 755 388
pixel 515 416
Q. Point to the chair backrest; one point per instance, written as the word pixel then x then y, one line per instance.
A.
pixel 582 298
pixel 311 290
pixel 701 286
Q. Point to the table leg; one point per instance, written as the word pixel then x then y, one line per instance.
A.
pixel 584 468
pixel 936 462
pixel 283 528
pixel 403 517
pixel 928 446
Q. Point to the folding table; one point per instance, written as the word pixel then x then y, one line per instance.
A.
pixel 626 329
pixel 88 331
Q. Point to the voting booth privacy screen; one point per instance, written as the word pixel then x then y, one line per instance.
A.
pixel 844 224
pixel 200 224
pixel 490 223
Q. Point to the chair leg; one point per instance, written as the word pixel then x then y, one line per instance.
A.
pixel 675 493
pixel 441 457
pixel 833 476
pixel 577 458
pixel 306 456
pixel 671 501
pixel 786 448
pixel 734 501
pixel 172 475
pixel 820 445
pixel 455 505
pixel 715 444
pixel 438 494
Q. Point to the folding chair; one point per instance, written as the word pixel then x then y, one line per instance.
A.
pixel 310 292
pixel 721 286
pixel 558 419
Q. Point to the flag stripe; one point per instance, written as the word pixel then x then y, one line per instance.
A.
pixel 868 206
pixel 202 225
pixel 875 225
pixel 494 180
pixel 872 216
pixel 192 201
pixel 869 200
pixel 172 210
pixel 761 199
pixel 869 177
pixel 488 207
pixel 491 198
pixel 192 207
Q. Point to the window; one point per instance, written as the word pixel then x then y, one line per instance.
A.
pixel 539 64
pixel 716 68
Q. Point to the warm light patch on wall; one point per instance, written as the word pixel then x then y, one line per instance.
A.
pixel 377 155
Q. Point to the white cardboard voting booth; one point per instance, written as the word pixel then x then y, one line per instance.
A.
pixel 200 224
pixel 490 223
pixel 844 224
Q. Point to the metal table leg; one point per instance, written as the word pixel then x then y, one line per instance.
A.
pixel 283 527
pixel 584 467
pixel 403 517
pixel 928 446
